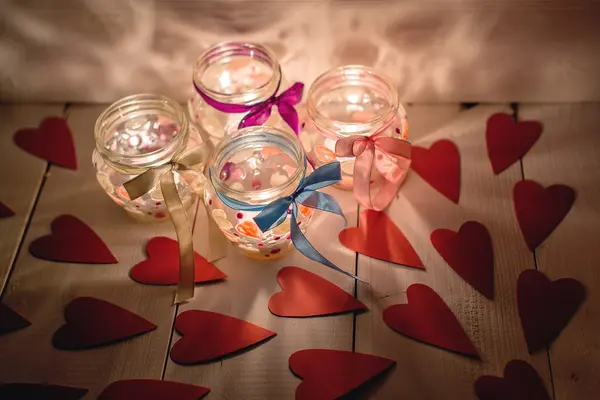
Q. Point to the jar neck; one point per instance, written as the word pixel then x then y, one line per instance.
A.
pixel 141 131
pixel 258 137
pixel 215 70
pixel 345 87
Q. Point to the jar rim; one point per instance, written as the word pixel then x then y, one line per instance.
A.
pixel 241 138
pixel 132 103
pixel 227 49
pixel 345 76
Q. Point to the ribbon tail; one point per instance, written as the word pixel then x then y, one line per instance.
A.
pixel 290 116
pixel 363 166
pixel 185 289
pixel 303 245
pixel 256 117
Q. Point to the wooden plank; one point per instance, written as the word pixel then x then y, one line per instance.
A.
pixel 426 372
pixel 18 190
pixel 40 289
pixel 262 372
pixel 439 50
pixel 568 153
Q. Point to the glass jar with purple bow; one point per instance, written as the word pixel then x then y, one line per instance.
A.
pixel 236 85
pixel 350 102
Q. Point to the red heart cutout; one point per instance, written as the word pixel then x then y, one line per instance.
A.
pixel 306 294
pixel 469 253
pixel 208 336
pixel 152 389
pixel 378 237
pixel 508 141
pixel 40 391
pixel 428 319
pixel 440 167
pixel 545 307
pixel 539 210
pixel 5 212
pixel 521 382
pixel 331 374
pixel 93 322
pixel 162 265
pixel 51 141
pixel 72 241
pixel 10 320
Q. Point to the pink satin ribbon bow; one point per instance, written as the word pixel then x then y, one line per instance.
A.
pixel 391 157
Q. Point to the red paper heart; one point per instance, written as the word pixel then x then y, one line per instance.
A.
pixel 5 212
pixel 93 322
pixel 378 237
pixel 152 389
pixel 539 210
pixel 208 336
pixel 39 391
pixel 306 294
pixel 469 253
pixel 11 321
pixel 72 241
pixel 51 141
pixel 508 141
pixel 545 307
pixel 520 382
pixel 331 374
pixel 162 265
pixel 440 167
pixel 428 319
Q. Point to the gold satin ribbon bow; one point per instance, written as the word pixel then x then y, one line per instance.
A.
pixel 164 175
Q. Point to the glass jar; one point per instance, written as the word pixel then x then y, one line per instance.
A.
pixel 139 132
pixel 233 73
pixel 256 166
pixel 346 101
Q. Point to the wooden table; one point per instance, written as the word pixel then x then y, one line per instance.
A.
pixel 568 152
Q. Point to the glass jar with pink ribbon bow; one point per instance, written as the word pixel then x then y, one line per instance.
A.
pixel 237 85
pixel 353 115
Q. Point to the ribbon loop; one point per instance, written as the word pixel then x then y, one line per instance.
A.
pixel 390 156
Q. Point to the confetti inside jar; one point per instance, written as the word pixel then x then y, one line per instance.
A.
pixel 230 79
pixel 139 132
pixel 272 165
pixel 350 101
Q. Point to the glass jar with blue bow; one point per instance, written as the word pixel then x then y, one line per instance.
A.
pixel 262 193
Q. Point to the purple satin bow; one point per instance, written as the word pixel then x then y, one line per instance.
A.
pixel 259 113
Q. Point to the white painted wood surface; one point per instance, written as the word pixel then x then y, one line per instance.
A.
pixel 425 372
pixel 568 152
pixel 39 289
pixel 438 50
pixel 18 190
pixel 263 372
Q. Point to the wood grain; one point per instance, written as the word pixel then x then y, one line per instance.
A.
pixel 425 372
pixel 262 372
pixel 18 190
pixel 568 153
pixel 40 289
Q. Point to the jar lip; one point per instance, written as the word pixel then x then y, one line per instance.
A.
pixel 349 73
pixel 177 111
pixel 252 50
pixel 239 138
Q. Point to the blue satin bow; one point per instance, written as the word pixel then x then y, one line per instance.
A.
pixel 275 213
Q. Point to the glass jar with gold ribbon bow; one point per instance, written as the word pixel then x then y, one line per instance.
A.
pixel 237 85
pixel 262 193
pixel 149 161
pixel 361 106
